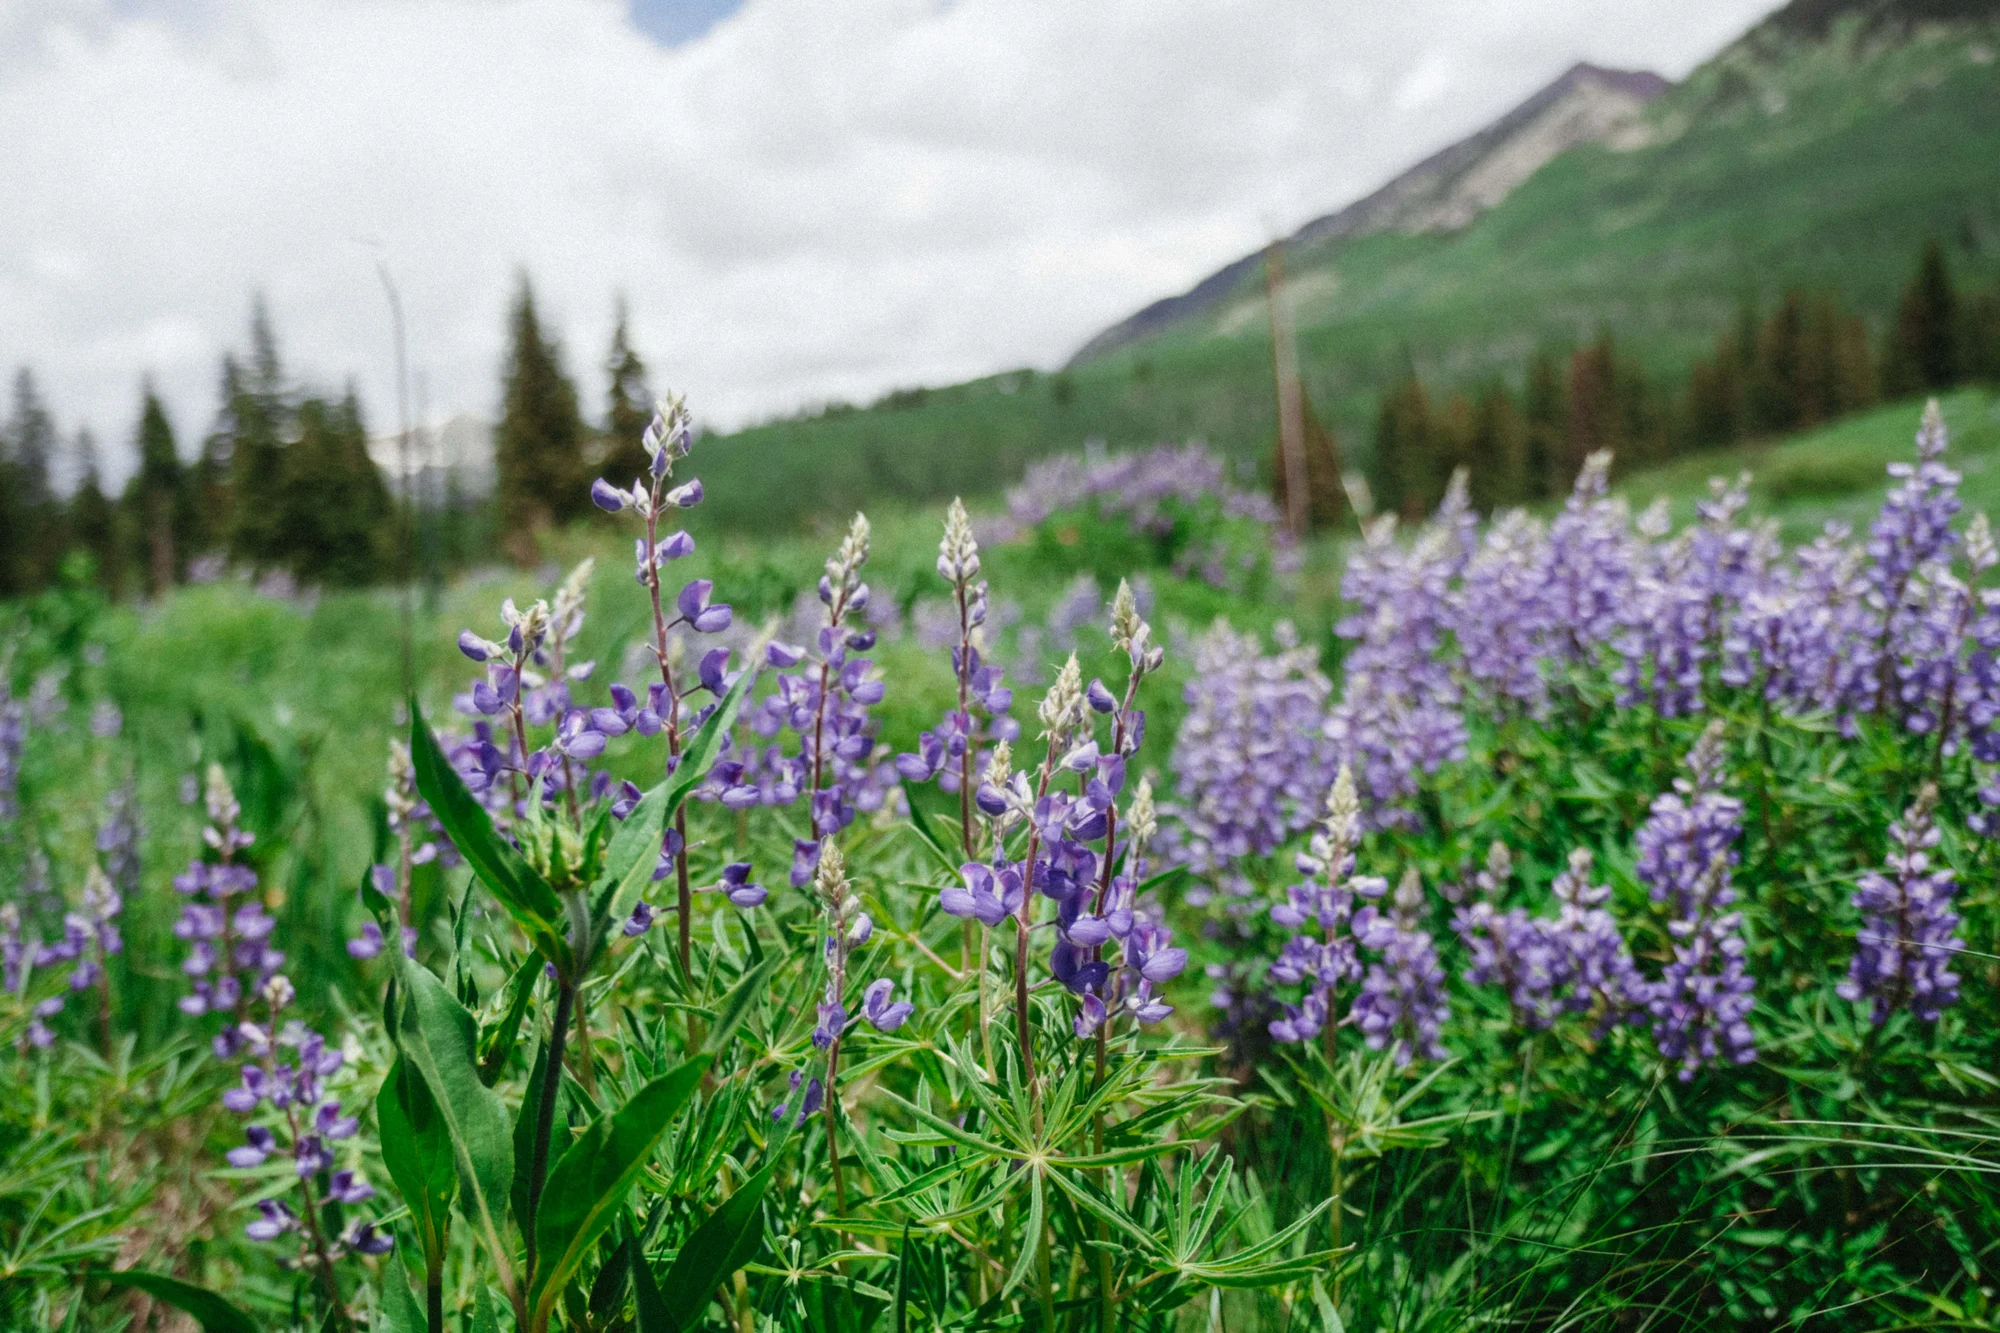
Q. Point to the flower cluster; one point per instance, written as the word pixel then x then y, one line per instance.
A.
pixel 952 751
pixel 1907 938
pixel 1321 954
pixel 1399 712
pixel 1402 1004
pixel 823 696
pixel 420 840
pixel 1142 485
pixel 1251 759
pixel 291 1116
pixel 848 927
pixel 13 736
pixel 1687 853
pixel 228 933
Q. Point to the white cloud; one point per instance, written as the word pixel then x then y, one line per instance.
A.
pixel 811 201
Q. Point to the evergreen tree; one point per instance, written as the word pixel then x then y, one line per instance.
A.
pixel 1401 478
pixel 30 545
pixel 92 522
pixel 259 419
pixel 158 503
pixel 630 409
pixel 1715 396
pixel 538 445
pixel 1593 420
pixel 336 508
pixel 1924 345
pixel 1982 337
pixel 1544 413
pixel 1498 452
pixel 209 483
pixel 1777 402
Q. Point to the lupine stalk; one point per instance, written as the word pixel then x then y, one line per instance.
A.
pixel 1907 940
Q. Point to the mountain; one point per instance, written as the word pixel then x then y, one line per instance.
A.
pixel 1817 152
pixel 1444 192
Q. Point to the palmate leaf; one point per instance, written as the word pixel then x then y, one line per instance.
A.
pixel 517 886
pixel 587 1188
pixel 436 1035
pixel 212 1312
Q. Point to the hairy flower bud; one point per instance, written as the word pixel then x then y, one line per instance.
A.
pixel 1063 707
pixel 1142 820
pixel 958 553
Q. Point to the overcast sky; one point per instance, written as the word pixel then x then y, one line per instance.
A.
pixel 801 199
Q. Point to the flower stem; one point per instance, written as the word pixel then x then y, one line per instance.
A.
pixel 545 1111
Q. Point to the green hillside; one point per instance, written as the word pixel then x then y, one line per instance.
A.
pixel 1817 152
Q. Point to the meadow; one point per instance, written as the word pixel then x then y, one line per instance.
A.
pixel 1092 913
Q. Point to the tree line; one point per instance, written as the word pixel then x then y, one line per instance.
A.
pixel 283 480
pixel 1806 361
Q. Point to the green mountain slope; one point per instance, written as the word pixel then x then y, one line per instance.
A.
pixel 1818 151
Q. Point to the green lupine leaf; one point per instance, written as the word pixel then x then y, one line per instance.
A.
pixel 727 1239
pixel 438 1038
pixel 416 1148
pixel 212 1312
pixel 517 886
pixel 587 1188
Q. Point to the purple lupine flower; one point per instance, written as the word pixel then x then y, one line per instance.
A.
pixel 1399 717
pixel 1402 1002
pixel 958 747
pixel 1908 934
pixel 1500 618
pixel 991 894
pixel 287 1070
pixel 1602 978
pixel 1687 851
pixel 1586 580
pixel 1250 760
pixel 815 1097
pixel 824 701
pixel 1524 956
pixel 13 736
pixel 229 957
pixel 1808 638
pixel 1143 486
pixel 881 1011
pixel 1321 954
pixel 1913 526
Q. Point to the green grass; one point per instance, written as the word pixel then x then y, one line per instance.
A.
pixel 1873 151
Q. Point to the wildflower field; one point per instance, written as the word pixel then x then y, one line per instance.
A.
pixel 1095 912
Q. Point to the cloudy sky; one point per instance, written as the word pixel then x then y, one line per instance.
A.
pixel 802 200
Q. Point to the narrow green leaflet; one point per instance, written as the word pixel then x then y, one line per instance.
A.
pixel 438 1037
pixel 212 1312
pixel 399 1312
pixel 518 886
pixel 726 1240
pixel 498 1041
pixel 587 1188
pixel 416 1147
pixel 736 1006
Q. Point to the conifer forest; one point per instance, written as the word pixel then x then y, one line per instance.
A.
pixel 1516 848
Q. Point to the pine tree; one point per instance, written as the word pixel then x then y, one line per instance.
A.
pixel 1544 414
pixel 1982 337
pixel 158 504
pixel 1402 468
pixel 1715 396
pixel 337 511
pixel 92 522
pixel 260 420
pixel 538 445
pixel 630 409
pixel 1498 452
pixel 1776 385
pixel 30 545
pixel 1593 420
pixel 1923 350
pixel 209 482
